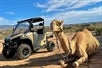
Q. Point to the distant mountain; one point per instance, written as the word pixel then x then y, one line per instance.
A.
pixel 4 27
pixel 95 23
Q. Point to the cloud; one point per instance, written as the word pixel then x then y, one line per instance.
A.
pixel 10 13
pixel 60 5
pixel 82 3
pixel 69 17
pixel 41 5
pixel 4 21
pixel 80 16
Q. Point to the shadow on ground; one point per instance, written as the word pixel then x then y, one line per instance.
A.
pixel 38 62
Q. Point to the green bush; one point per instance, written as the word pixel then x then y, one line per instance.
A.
pixel 98 31
pixel 91 28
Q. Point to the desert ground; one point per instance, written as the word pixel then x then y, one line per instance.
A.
pixel 44 59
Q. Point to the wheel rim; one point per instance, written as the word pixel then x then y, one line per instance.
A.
pixel 25 52
pixel 51 45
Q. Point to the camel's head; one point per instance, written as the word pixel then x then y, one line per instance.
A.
pixel 56 25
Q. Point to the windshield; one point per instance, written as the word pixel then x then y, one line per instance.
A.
pixel 21 27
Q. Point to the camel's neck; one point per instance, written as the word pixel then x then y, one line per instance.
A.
pixel 60 34
pixel 65 44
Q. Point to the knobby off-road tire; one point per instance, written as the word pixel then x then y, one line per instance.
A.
pixel 8 53
pixel 23 51
pixel 50 46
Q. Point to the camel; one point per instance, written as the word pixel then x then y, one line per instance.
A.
pixel 82 44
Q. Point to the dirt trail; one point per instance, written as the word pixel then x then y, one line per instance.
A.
pixel 44 59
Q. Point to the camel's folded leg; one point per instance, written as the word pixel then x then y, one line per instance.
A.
pixel 83 57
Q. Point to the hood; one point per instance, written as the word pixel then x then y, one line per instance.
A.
pixel 9 38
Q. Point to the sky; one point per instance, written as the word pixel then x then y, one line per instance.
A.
pixel 70 11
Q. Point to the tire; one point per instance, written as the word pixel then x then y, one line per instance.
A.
pixel 8 53
pixel 50 46
pixel 23 51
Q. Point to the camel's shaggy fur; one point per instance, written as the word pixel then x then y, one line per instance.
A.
pixel 82 44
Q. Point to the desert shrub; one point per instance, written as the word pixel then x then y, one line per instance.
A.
pixel 66 28
pixel 98 31
pixel 91 27
pixel 79 29
pixel 47 29
pixel 5 33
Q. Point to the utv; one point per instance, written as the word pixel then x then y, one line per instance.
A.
pixel 27 37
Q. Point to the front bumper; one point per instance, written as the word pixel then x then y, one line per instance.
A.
pixel 9 45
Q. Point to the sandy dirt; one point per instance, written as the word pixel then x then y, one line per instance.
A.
pixel 44 59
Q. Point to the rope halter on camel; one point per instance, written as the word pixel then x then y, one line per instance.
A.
pixel 65 57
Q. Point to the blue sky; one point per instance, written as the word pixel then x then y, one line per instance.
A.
pixel 70 11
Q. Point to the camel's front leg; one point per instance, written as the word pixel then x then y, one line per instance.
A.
pixel 83 57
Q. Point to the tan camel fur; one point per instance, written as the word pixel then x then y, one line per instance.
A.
pixel 82 44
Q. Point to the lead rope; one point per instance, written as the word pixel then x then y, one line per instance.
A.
pixel 65 57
